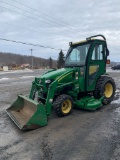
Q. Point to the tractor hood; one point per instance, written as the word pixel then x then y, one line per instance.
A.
pixel 53 74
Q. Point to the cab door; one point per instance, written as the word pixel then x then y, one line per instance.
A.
pixel 96 64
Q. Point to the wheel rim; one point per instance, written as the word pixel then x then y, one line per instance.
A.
pixel 108 90
pixel 66 106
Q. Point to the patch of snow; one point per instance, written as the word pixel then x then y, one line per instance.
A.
pixel 24 77
pixel 18 71
pixel 110 70
pixel 117 91
pixel 4 79
pixel 116 101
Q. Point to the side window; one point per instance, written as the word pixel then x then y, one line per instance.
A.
pixel 97 52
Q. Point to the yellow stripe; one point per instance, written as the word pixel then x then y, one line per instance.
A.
pixel 64 76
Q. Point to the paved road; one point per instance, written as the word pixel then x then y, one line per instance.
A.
pixel 83 135
pixel 22 74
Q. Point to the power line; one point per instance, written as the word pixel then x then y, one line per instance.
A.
pixel 24 28
pixel 22 14
pixel 20 27
pixel 44 15
pixel 59 22
pixel 32 17
pixel 31 44
pixel 20 9
pixel 30 12
pixel 55 19
pixel 38 15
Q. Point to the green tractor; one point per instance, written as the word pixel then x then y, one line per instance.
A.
pixel 82 83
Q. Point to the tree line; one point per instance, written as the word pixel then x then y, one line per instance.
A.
pixel 13 60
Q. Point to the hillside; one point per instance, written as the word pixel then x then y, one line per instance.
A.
pixel 11 59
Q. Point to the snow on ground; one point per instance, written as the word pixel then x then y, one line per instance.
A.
pixel 116 101
pixel 4 79
pixel 117 94
pixel 17 71
pixel 110 70
pixel 24 77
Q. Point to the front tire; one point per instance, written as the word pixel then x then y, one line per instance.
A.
pixel 63 105
pixel 106 87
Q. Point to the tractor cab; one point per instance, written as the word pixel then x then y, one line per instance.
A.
pixel 90 58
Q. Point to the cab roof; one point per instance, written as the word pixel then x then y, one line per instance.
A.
pixel 84 41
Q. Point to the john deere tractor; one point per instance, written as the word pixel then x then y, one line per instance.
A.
pixel 82 83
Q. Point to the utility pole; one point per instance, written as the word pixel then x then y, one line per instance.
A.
pixel 31 58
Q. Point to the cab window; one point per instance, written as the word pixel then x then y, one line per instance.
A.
pixel 97 52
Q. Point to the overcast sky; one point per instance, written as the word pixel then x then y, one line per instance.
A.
pixel 56 23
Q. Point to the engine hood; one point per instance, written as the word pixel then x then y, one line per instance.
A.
pixel 52 75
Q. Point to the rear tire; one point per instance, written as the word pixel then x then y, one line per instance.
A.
pixel 63 105
pixel 105 86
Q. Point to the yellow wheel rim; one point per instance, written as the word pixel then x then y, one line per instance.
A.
pixel 66 106
pixel 108 90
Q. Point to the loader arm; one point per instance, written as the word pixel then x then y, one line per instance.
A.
pixel 51 90
pixel 28 113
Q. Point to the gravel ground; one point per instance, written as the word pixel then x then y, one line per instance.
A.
pixel 83 135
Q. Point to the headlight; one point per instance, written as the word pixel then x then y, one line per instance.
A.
pixel 48 81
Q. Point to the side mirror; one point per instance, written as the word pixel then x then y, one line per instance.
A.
pixel 107 52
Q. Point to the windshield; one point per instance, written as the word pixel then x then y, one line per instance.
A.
pixel 77 55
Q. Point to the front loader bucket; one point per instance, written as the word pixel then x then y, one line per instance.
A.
pixel 27 113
